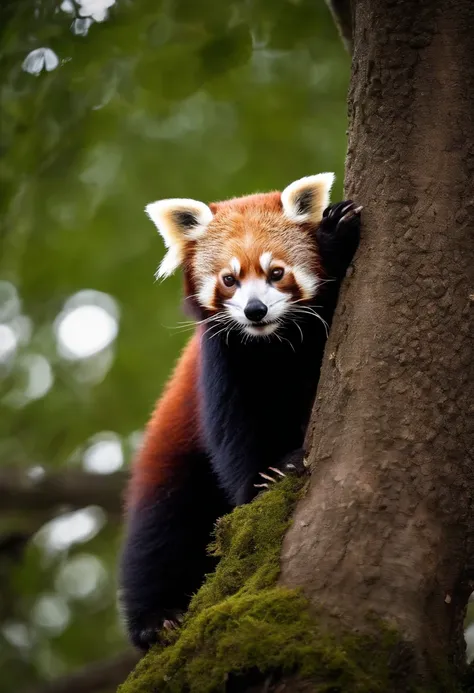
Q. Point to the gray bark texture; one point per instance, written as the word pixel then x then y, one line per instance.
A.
pixel 387 526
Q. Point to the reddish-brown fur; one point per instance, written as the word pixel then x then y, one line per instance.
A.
pixel 173 430
pixel 246 227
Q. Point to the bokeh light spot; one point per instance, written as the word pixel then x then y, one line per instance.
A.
pixel 469 637
pixel 51 613
pixel 40 376
pixel 87 325
pixel 39 59
pixel 10 304
pixel 81 577
pixel 22 326
pixel 8 342
pixel 97 9
pixel 104 455
pixel 17 634
pixel 72 528
pixel 81 26
pixel 67 6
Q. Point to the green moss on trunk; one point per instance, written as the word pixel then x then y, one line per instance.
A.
pixel 241 628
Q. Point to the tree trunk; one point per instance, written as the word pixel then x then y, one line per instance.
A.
pixel 387 527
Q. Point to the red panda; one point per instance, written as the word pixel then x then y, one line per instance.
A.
pixel 261 278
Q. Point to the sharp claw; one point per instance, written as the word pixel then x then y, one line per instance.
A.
pixel 354 212
pixel 267 477
pixel 277 471
pixel 346 208
pixel 168 624
pixel 350 215
pixel 261 486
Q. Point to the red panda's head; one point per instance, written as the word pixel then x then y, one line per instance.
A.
pixel 248 260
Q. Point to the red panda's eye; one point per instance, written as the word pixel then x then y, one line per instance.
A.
pixel 228 280
pixel 276 274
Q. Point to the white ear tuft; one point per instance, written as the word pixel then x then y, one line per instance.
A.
pixel 178 220
pixel 171 261
pixel 306 199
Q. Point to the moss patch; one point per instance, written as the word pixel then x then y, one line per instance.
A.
pixel 232 601
pixel 242 627
pixel 248 542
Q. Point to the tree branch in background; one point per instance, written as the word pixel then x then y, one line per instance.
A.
pixel 342 14
pixel 94 678
pixel 54 491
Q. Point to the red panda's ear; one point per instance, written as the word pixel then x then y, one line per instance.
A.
pixel 306 199
pixel 178 221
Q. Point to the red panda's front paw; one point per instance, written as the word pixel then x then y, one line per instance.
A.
pixel 293 463
pixel 144 638
pixel 340 214
pixel 338 236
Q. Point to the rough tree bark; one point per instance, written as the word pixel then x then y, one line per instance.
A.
pixel 387 526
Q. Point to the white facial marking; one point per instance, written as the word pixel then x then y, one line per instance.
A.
pixel 261 331
pixel 307 282
pixel 207 291
pixel 275 300
pixel 235 266
pixel 265 261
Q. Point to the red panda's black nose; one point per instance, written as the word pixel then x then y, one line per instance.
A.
pixel 255 310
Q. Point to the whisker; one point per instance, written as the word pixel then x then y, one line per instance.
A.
pixel 275 303
pixel 185 325
pixel 282 339
pixel 299 328
pixel 287 340
pixel 212 326
pixel 302 311
pixel 227 321
pixel 299 300
pixel 309 311
pixel 223 329
pixel 327 281
pixel 209 319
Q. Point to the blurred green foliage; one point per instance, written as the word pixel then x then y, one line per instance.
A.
pixel 170 98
